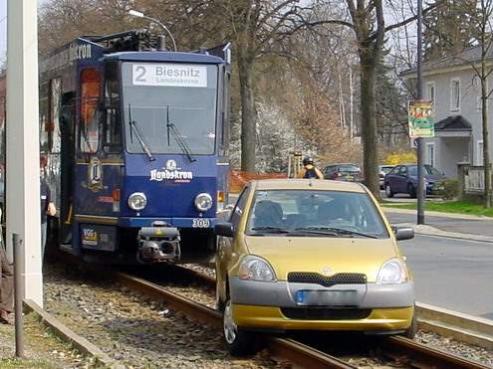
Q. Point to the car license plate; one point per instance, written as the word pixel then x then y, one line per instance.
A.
pixel 201 223
pixel 323 297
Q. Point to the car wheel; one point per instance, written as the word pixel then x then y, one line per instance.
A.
pixel 413 328
pixel 238 341
pixel 411 190
pixel 388 191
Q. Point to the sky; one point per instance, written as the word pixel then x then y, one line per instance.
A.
pixel 3 26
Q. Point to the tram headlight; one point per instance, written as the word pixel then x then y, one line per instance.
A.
pixel 137 201
pixel 203 201
pixel 392 271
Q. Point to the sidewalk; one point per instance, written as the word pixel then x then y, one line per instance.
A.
pixel 460 226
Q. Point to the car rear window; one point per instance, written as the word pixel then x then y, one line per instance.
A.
pixel 295 211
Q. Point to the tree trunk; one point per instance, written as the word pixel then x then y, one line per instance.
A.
pixel 486 145
pixel 248 114
pixel 369 123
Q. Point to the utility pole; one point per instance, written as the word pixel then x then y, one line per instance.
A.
pixel 22 185
pixel 421 193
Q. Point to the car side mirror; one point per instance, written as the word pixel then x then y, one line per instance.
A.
pixel 224 229
pixel 403 233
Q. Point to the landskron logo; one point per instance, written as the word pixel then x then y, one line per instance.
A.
pixel 170 171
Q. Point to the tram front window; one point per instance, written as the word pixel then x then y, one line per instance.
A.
pixel 171 106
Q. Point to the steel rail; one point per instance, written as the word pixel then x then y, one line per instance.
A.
pixel 396 345
pixel 297 353
pixel 430 357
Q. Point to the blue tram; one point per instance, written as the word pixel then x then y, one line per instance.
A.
pixel 134 147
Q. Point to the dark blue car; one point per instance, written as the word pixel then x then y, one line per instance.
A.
pixel 404 179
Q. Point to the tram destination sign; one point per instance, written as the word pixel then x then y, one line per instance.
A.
pixel 178 75
pixel 420 115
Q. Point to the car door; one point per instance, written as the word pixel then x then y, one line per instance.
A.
pixel 225 244
pixel 392 179
pixel 402 179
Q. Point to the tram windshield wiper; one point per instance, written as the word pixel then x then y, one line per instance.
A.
pixel 171 127
pixel 135 129
pixel 333 231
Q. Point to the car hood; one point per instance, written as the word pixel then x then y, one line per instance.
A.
pixel 314 254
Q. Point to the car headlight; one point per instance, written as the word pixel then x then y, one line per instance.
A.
pixel 254 268
pixel 137 201
pixel 203 201
pixel 393 271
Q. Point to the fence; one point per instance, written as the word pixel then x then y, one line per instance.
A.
pixel 237 179
pixel 471 179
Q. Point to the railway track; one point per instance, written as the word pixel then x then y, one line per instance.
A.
pixel 406 352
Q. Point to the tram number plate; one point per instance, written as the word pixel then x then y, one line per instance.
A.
pixel 201 223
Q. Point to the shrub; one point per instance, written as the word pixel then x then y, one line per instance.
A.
pixel 401 158
pixel 450 189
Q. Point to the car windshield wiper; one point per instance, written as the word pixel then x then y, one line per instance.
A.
pixel 171 127
pixel 134 128
pixel 334 231
pixel 270 229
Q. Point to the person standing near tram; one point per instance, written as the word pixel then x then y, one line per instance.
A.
pixel 47 206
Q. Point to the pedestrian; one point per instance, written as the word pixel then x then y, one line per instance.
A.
pixel 310 170
pixel 6 284
pixel 47 208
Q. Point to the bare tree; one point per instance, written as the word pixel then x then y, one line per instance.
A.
pixel 482 17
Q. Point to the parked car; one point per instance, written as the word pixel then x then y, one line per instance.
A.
pixel 293 255
pixel 343 172
pixel 382 172
pixel 404 179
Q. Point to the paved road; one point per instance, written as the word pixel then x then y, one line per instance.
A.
pixel 454 274
pixel 470 226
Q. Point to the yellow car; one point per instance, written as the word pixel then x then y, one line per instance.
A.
pixel 310 255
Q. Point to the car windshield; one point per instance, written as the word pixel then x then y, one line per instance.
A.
pixel 430 171
pixel 386 169
pixel 318 213
pixel 169 108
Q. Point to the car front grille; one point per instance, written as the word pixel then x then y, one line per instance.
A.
pixel 316 278
pixel 325 313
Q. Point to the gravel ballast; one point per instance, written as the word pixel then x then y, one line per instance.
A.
pixel 135 331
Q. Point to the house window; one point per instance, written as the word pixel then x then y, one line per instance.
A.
pixel 455 94
pixel 479 152
pixel 430 154
pixel 430 93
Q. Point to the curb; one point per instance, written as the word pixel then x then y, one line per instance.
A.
pixel 64 333
pixel 427 230
pixel 462 327
pixel 436 214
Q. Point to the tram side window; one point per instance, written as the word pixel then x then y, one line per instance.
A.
pixel 90 88
pixel 112 138
pixel 54 135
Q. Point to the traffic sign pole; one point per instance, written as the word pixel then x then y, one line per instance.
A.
pixel 421 192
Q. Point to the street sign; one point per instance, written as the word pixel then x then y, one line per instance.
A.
pixel 420 116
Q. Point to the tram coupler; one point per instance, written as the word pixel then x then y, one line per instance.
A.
pixel 158 243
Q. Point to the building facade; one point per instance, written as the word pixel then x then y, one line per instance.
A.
pixel 455 90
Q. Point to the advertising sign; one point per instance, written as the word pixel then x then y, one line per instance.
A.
pixel 420 116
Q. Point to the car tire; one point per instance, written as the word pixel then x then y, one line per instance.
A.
pixel 388 191
pixel 413 328
pixel 238 341
pixel 411 190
